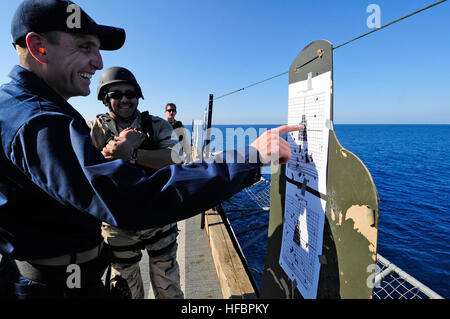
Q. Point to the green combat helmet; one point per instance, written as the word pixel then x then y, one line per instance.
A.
pixel 116 75
pixel 112 76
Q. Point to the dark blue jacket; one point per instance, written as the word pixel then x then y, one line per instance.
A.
pixel 56 188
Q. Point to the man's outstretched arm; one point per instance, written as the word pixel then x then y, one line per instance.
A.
pixel 57 155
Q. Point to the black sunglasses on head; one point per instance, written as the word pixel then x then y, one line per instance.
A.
pixel 117 95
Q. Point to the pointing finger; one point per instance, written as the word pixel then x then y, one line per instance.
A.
pixel 281 130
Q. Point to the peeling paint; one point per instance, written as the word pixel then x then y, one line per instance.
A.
pixel 333 217
pixel 363 219
pixel 343 153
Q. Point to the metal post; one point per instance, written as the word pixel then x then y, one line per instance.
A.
pixel 207 142
pixel 208 126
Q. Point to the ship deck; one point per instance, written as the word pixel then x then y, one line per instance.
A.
pixel 198 275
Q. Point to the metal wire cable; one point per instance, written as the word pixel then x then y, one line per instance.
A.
pixel 248 86
pixel 388 24
pixel 334 48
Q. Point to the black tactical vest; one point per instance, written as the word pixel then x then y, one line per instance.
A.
pixel 150 142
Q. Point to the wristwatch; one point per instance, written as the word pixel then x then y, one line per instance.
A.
pixel 133 158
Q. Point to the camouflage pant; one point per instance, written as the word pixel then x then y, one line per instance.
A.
pixel 161 247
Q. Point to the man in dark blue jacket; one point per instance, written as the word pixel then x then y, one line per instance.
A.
pixel 56 188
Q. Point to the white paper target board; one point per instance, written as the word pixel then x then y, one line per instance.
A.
pixel 323 224
pixel 310 106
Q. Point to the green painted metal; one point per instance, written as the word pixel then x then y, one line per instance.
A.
pixel 351 221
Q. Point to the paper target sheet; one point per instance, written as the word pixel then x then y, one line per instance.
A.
pixel 304 215
pixel 309 105
pixel 302 239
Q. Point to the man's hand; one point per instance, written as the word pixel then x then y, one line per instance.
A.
pixel 272 148
pixel 123 145
pixel 133 136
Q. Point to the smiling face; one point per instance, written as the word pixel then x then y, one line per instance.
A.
pixel 123 108
pixel 71 63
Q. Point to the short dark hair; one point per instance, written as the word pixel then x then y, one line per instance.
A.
pixel 171 105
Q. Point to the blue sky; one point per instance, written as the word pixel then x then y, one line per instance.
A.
pixel 183 50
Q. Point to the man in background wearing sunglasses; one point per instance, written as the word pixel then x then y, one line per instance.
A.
pixel 171 111
pixel 178 128
pixel 145 140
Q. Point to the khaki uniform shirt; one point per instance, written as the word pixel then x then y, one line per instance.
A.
pixel 104 123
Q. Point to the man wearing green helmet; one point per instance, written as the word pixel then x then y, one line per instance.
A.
pixel 145 140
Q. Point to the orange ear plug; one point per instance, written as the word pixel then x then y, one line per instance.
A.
pixel 42 50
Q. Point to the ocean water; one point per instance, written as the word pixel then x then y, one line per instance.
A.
pixel 410 165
